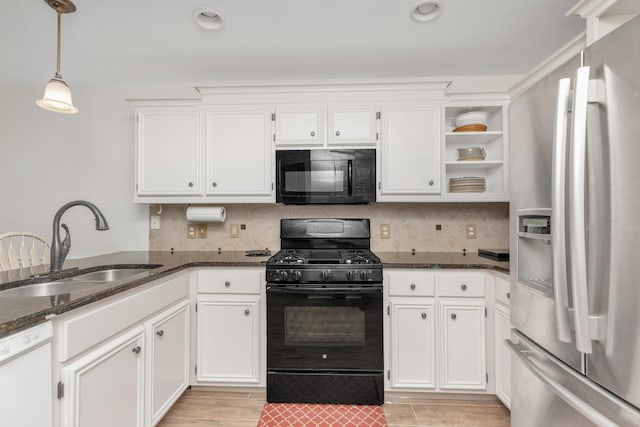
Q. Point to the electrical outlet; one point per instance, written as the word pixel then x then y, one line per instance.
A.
pixel 202 231
pixel 385 231
pixel 192 233
pixel 438 227
pixel 472 231
pixel 154 224
pixel 234 231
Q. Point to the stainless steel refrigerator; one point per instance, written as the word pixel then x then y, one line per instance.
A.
pixel 575 152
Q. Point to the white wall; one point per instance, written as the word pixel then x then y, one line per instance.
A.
pixel 48 159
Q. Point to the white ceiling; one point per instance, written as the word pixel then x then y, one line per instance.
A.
pixel 155 41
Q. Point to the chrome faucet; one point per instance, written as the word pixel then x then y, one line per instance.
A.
pixel 60 248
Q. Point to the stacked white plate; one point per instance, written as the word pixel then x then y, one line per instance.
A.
pixel 467 184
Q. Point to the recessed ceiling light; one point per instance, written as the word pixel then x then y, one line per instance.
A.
pixel 426 10
pixel 208 19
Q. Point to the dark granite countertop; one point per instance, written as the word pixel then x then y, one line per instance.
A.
pixel 18 313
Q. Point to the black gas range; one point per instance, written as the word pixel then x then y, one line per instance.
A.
pixel 324 314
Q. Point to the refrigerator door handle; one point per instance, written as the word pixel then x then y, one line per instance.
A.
pixel 577 232
pixel 565 394
pixel 558 224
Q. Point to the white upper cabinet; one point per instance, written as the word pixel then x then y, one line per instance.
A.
pixel 410 152
pixel 239 152
pixel 300 126
pixel 354 125
pixel 168 152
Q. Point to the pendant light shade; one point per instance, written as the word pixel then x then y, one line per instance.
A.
pixel 57 95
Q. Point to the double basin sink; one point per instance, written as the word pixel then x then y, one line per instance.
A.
pixel 79 282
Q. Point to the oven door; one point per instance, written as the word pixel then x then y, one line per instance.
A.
pixel 324 329
pixel 325 176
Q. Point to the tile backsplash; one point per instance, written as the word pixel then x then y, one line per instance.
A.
pixel 411 226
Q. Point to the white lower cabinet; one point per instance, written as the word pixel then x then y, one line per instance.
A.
pixel 412 343
pixel 230 341
pixel 167 359
pixel 436 330
pixel 105 387
pixel 462 344
pixel 502 332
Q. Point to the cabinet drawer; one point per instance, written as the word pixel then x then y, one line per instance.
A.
pixel 411 283
pixel 231 281
pixel 461 285
pixel 502 289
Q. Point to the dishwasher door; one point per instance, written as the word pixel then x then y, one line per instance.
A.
pixel 26 392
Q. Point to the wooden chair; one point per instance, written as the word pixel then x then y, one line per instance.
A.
pixel 23 250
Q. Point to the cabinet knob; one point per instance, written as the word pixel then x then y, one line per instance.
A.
pixel 431 183
pixel 160 333
pixel 337 133
pixel 190 184
pixel 453 316
pixel 227 284
pixel 313 133
pixel 246 312
pixel 424 315
pixel 413 286
pixel 463 287
pixel 136 349
pixel 508 295
pixel 214 184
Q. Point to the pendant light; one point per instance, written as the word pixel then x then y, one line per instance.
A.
pixel 57 96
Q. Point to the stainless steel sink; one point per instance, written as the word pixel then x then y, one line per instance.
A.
pixel 109 275
pixel 48 289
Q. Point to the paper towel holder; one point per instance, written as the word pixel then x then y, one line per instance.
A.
pixel 206 214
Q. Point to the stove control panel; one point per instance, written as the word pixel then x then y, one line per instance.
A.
pixel 319 275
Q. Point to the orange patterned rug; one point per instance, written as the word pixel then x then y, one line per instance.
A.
pixel 321 415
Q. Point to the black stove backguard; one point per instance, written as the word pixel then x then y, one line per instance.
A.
pixel 325 314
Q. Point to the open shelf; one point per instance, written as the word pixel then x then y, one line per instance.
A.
pixel 471 137
pixel 473 164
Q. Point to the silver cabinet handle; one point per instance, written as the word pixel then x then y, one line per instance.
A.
pixel 246 312
pixel 413 286
pixel 424 315
pixel 431 183
pixel 453 316
pixel 508 295
pixel 337 133
pixel 160 333
pixel 227 284
pixel 190 184
pixel 313 133
pixel 463 287
pixel 214 184
pixel 137 349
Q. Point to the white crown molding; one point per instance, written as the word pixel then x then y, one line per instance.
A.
pixel 548 65
pixel 478 96
pixel 366 85
pixel 153 102
pixel 591 8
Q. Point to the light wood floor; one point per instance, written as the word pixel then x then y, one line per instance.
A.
pixel 238 409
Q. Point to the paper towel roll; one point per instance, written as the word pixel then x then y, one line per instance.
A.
pixel 206 214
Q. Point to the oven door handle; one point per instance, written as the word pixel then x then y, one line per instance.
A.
pixel 325 291
pixel 350 177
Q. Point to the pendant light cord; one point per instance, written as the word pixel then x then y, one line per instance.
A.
pixel 58 56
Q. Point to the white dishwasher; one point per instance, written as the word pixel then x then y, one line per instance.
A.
pixel 26 392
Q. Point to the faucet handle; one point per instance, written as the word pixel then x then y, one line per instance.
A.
pixel 66 243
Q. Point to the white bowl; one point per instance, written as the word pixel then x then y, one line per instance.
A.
pixel 472 118
pixel 471 153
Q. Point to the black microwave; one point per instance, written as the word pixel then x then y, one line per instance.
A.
pixel 340 176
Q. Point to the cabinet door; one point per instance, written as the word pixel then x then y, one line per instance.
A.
pixel 168 157
pixel 462 335
pixel 352 126
pixel 239 152
pixel 105 388
pixel 299 126
pixel 410 145
pixel 412 329
pixel 168 359
pixel 228 339
pixel 502 355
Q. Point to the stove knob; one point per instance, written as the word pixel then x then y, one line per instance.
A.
pixel 297 275
pixel 365 274
pixel 324 275
pixel 284 275
pixel 351 275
